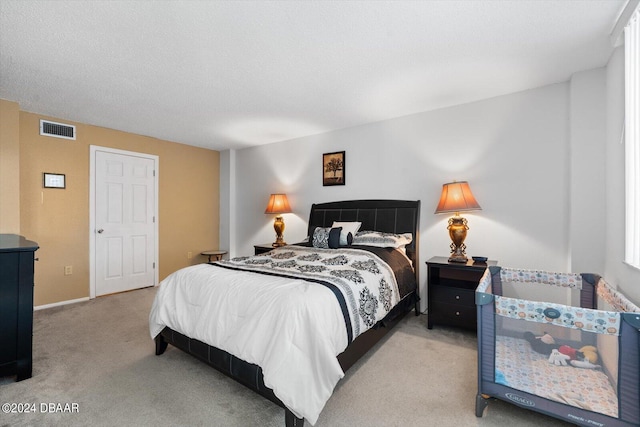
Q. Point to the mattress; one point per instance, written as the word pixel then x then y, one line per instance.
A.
pixel 521 368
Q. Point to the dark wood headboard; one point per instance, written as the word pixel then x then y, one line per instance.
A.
pixel 390 216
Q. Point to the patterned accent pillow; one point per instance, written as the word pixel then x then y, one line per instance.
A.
pixel 383 240
pixel 327 238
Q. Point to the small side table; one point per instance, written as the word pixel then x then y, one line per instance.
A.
pixel 216 255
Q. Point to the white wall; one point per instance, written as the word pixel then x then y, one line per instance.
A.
pixel 227 201
pixel 587 154
pixel 513 150
pixel 546 165
pixel 616 272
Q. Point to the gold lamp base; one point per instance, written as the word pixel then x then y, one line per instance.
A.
pixel 458 232
pixel 278 225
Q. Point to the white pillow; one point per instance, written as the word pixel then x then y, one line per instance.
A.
pixel 347 227
pixel 383 240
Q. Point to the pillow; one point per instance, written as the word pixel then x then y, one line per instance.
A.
pixel 347 227
pixel 326 238
pixel 310 230
pixel 382 240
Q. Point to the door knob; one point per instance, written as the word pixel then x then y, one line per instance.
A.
pixel 100 231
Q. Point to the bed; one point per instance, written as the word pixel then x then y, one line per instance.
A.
pixel 563 344
pixel 290 322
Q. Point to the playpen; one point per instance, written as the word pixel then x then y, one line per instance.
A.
pixel 563 344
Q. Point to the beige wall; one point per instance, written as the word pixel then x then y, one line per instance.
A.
pixel 58 219
pixel 9 167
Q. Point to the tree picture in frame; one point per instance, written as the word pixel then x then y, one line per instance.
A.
pixel 333 168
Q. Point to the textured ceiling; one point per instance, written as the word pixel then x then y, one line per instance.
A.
pixel 232 74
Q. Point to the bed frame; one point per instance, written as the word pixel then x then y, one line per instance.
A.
pixel 392 216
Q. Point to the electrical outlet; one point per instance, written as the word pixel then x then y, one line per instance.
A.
pixel 189 255
pixel 68 270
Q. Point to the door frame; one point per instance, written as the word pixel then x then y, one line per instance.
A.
pixel 93 149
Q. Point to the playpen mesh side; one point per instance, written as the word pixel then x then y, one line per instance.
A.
pixel 629 357
pixel 551 358
pixel 584 283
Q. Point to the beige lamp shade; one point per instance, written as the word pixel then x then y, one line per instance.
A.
pixel 278 204
pixel 457 197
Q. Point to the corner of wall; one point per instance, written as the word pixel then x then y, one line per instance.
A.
pixel 9 167
pixel 227 201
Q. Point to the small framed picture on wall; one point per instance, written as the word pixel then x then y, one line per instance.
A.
pixel 53 180
pixel 333 168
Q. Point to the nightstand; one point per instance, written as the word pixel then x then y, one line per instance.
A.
pixel 260 249
pixel 451 292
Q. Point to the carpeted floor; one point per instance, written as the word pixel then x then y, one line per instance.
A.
pixel 98 358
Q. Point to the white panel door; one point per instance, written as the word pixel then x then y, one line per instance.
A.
pixel 124 222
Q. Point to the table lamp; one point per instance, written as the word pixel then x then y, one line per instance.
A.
pixel 278 204
pixel 457 197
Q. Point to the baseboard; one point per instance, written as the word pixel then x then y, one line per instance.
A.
pixel 58 304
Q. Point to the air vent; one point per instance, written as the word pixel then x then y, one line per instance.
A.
pixel 57 130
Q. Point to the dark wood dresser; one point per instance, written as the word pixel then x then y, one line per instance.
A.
pixel 451 292
pixel 16 305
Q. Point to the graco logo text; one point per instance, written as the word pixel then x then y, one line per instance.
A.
pixel 519 399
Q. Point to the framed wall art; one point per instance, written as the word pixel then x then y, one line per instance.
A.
pixel 333 168
pixel 53 180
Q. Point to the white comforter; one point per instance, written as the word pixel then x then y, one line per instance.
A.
pixel 292 329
